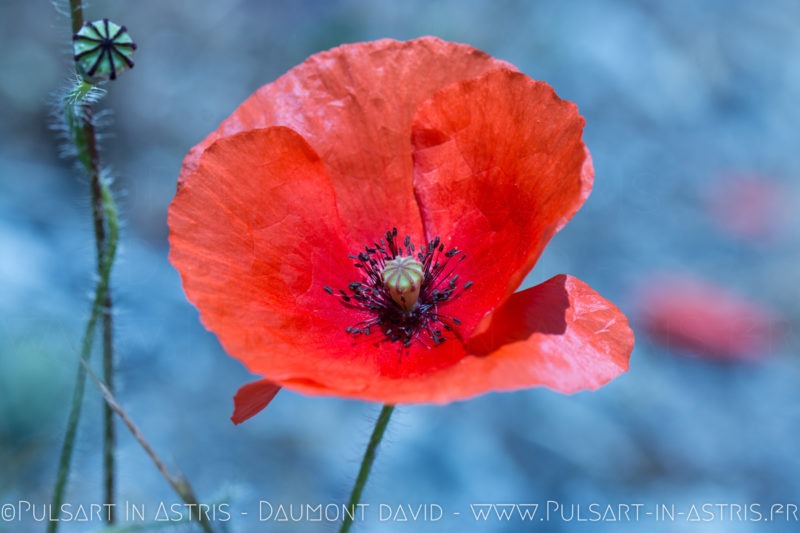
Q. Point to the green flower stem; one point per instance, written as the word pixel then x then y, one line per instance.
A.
pixel 91 162
pixel 90 159
pixel 101 222
pixel 107 260
pixel 100 198
pixel 76 14
pixel 78 117
pixel 366 466
pixel 80 127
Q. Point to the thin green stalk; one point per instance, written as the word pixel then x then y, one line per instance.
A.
pixel 110 210
pixel 109 431
pixel 100 223
pixel 76 14
pixel 92 164
pixel 366 466
pixel 77 114
pixel 179 484
pixel 83 134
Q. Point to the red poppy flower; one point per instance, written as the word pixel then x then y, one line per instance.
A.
pixel 701 317
pixel 359 226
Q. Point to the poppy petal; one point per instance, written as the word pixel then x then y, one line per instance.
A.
pixel 255 234
pixel 252 398
pixel 499 167
pixel 560 334
pixel 354 105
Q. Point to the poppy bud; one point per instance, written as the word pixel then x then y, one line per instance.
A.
pixel 102 49
pixel 403 277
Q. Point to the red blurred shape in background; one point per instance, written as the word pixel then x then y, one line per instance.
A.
pixel 747 206
pixel 699 316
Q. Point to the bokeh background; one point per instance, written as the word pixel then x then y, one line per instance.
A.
pixel 692 109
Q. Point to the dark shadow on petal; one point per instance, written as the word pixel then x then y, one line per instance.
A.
pixel 426 137
pixel 541 309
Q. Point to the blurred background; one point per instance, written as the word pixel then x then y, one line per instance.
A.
pixel 692 110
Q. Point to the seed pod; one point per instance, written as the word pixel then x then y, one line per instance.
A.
pixel 102 49
pixel 403 276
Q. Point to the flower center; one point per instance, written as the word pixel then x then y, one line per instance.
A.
pixel 403 289
pixel 403 277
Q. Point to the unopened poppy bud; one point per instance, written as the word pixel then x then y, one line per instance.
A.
pixel 403 277
pixel 102 49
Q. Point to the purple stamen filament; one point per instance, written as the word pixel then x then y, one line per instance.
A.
pixel 423 322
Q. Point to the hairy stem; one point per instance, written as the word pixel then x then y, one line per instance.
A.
pixel 366 466
pixel 110 212
pixel 91 162
pixel 100 224
pixel 80 123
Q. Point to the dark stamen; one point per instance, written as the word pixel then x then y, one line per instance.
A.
pixel 421 323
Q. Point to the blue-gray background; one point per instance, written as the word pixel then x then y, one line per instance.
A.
pixel 676 94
